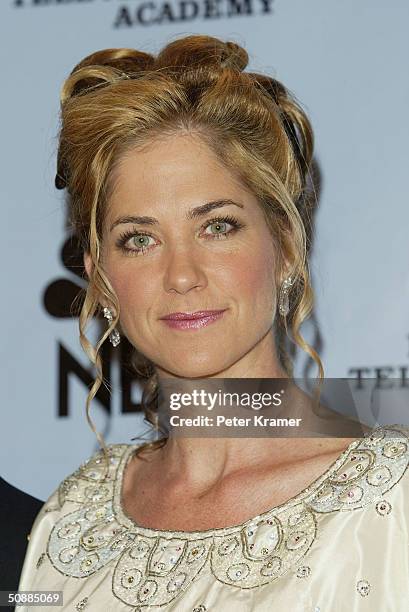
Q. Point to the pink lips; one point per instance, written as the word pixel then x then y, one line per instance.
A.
pixel 194 320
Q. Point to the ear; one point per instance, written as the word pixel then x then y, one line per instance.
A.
pixel 286 270
pixel 88 265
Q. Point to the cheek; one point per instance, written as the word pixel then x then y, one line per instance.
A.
pixel 251 276
pixel 134 289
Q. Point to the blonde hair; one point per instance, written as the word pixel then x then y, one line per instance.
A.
pixel 115 100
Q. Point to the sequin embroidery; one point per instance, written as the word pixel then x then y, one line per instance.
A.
pixel 81 605
pixel 363 587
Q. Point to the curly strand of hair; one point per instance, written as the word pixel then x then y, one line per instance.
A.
pixel 90 308
pixel 304 305
pixel 87 312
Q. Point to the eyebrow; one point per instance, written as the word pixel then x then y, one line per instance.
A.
pixel 193 213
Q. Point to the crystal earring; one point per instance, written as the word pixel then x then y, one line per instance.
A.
pixel 114 336
pixel 284 306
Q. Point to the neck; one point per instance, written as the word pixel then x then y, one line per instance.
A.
pixel 201 462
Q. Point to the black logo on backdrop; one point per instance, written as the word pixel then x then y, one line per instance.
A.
pixel 160 12
pixel 63 298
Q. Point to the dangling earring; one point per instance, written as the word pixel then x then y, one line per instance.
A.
pixel 284 306
pixel 114 336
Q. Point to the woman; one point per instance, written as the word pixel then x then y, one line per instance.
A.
pixel 187 187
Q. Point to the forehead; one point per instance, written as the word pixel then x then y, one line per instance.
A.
pixel 179 170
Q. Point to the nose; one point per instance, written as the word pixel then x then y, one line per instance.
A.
pixel 184 271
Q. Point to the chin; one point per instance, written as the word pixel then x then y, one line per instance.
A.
pixel 194 370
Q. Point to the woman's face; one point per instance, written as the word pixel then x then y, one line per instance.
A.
pixel 173 263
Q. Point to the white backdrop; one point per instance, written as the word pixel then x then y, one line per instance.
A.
pixel 345 61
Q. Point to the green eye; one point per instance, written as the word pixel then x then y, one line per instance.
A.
pixel 219 225
pixel 139 239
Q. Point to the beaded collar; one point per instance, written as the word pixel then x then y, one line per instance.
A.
pixel 152 567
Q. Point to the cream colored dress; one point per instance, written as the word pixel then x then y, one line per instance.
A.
pixel 341 545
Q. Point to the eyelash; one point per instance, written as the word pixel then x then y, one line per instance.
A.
pixel 125 236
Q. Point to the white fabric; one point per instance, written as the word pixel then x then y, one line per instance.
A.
pixel 341 545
